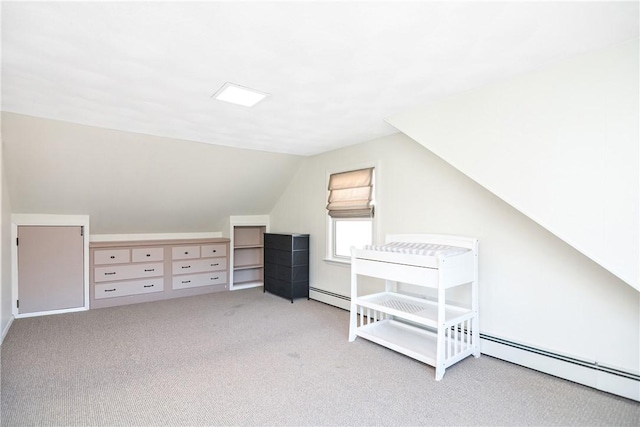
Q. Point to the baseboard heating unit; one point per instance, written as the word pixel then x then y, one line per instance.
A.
pixel 590 373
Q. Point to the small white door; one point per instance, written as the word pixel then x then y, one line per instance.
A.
pixel 50 268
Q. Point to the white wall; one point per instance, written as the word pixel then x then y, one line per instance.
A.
pixel 534 288
pixel 561 145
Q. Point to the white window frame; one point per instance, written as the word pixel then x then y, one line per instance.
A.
pixel 330 255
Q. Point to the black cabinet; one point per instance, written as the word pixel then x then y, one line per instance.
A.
pixel 286 265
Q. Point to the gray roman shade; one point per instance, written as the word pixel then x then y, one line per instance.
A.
pixel 350 194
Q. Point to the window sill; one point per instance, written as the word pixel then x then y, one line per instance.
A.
pixel 338 261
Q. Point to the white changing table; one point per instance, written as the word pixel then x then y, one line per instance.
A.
pixel 434 332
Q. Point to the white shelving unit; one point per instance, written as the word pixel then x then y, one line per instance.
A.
pixel 247 250
pixel 431 331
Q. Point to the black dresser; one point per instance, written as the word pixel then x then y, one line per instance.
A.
pixel 286 265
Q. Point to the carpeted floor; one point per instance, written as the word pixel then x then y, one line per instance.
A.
pixel 248 358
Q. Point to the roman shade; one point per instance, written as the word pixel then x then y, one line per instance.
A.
pixel 350 194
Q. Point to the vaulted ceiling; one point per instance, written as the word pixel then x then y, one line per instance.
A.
pixel 335 70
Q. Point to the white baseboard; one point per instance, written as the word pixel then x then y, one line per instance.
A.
pixel 330 298
pixel 613 381
pixel 5 331
pixel 50 312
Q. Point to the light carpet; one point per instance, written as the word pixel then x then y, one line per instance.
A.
pixel 249 358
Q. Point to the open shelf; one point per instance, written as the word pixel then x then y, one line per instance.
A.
pixel 248 246
pixel 248 236
pixel 247 275
pixel 248 256
pixel 414 342
pixel 245 267
pixel 248 284
pixel 419 310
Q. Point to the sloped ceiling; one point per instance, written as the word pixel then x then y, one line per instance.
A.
pixel 335 69
pixel 134 183
pixel 560 145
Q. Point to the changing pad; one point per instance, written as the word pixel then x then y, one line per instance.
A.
pixel 425 249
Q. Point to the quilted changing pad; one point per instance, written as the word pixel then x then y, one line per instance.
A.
pixel 425 249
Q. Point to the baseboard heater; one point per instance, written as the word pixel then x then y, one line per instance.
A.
pixel 331 294
pixel 589 373
pixel 587 364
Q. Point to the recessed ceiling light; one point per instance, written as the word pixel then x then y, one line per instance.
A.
pixel 240 95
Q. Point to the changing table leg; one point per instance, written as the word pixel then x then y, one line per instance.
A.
pixel 475 323
pixel 353 310
pixel 476 336
pixel 442 328
pixel 352 325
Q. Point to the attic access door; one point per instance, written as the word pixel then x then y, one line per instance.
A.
pixel 50 268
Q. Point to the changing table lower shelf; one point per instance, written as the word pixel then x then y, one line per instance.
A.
pixel 419 343
pixel 416 343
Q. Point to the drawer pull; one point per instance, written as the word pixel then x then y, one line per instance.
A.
pixel 186 281
pixel 149 269
pixel 214 278
pixel 148 286
pixel 148 254
pixel 215 265
pixel 110 290
pixel 112 257
pixel 186 266
pixel 109 274
pixel 214 251
pixel 186 253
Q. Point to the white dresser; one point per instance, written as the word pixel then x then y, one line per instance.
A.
pixel 141 271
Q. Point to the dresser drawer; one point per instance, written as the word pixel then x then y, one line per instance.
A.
pixel 196 280
pixel 278 287
pixel 291 258
pixel 199 265
pixel 185 252
pixel 147 254
pixel 213 251
pixel 134 287
pixel 277 241
pixel 111 256
pixel 124 272
pixel 292 274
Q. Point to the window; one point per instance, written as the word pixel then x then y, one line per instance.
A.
pixel 351 232
pixel 350 209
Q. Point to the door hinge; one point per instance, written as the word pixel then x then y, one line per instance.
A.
pixel 82 230
pixel 18 303
pixel 17 239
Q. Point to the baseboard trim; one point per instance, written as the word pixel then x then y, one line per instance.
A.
pixel 589 373
pixel 50 312
pixel 5 331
